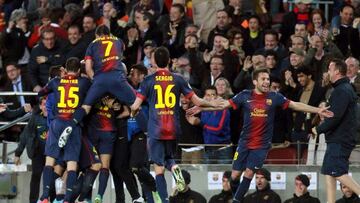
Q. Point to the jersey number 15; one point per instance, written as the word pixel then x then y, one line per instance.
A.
pixel 72 100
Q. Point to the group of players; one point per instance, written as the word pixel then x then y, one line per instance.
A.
pixel 75 96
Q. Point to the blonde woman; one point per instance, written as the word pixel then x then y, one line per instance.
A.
pixel 223 88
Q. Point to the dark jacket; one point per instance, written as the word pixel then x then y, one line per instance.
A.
pixel 353 199
pixel 29 138
pixel 259 196
pixel 306 198
pixel 15 44
pixel 39 73
pixel 187 197
pixel 342 127
pixel 26 86
pixel 222 197
pixel 348 38
pixel 11 114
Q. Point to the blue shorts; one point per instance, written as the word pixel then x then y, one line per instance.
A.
pixel 88 154
pixel 162 152
pixel 71 151
pixel 336 160
pixel 248 158
pixel 103 141
pixel 112 82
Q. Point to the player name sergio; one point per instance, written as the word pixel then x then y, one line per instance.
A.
pixel 164 78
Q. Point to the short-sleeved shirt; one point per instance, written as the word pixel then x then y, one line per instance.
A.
pixel 106 53
pixel 162 91
pixel 259 112
pixel 69 93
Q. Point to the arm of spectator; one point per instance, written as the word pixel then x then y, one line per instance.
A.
pixel 334 50
pixel 33 68
pixel 26 133
pixel 239 82
pixel 12 114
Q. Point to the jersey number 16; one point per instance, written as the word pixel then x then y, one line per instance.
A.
pixel 167 100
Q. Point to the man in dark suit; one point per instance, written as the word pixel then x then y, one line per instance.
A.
pixel 352 72
pixel 16 82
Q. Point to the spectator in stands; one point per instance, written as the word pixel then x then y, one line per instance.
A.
pixel 238 45
pixel 352 73
pixel 225 196
pixel 231 63
pixel 318 24
pixel 144 5
pixel 187 195
pixel 216 71
pixel 73 15
pixel 192 29
pixel 88 25
pixel 174 30
pixel 272 43
pixel 149 47
pixel 223 88
pixel 36 32
pixel 74 46
pixel 347 37
pixel 17 33
pixel 301 194
pixel 311 93
pixel 320 55
pixel 263 193
pixel 223 25
pixel 33 138
pixel 299 15
pixel 256 35
pixel 349 195
pixel 145 29
pixel 271 62
pixel 244 80
pixel 48 53
pixel 57 22
pixel 8 114
pixel 300 30
pixel 216 130
pixel 239 18
pixel 17 82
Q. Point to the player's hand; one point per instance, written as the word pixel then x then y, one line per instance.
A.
pixel 3 107
pixel 193 111
pixel 17 160
pixel 41 59
pixel 27 108
pixel 125 113
pixel 134 111
pixel 325 112
pixel 37 88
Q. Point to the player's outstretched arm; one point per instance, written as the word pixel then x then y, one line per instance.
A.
pixel 135 107
pixel 298 106
pixel 215 105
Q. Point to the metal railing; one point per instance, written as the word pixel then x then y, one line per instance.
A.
pixel 316 4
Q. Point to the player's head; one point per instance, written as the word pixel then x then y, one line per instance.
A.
pixel 346 190
pixel 337 69
pixel 261 80
pixel 161 57
pixel 72 65
pixel 210 93
pixel 102 30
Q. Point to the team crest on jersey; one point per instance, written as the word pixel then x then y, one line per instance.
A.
pixel 268 102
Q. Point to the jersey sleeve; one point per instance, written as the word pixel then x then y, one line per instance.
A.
pixel 49 87
pixel 186 89
pixel 237 101
pixel 282 101
pixel 143 91
pixel 89 52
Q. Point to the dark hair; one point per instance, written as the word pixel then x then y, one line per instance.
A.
pixel 140 68
pixel 45 13
pixel 211 87
pixel 12 63
pixel 226 10
pixel 56 14
pixel 74 26
pixel 271 32
pixel 180 7
pixel 161 56
pixel 216 56
pixel 72 64
pixel 275 79
pixel 54 71
pixel 256 72
pixel 102 30
pixel 232 32
pixel 146 14
pixel 271 52
pixel 346 5
pixel 303 69
pixel 339 65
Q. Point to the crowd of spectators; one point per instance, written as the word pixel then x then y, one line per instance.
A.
pixel 214 45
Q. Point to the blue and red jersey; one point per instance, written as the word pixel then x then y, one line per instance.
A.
pixel 69 93
pixel 102 118
pixel 162 91
pixel 259 112
pixel 106 53
pixel 216 126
